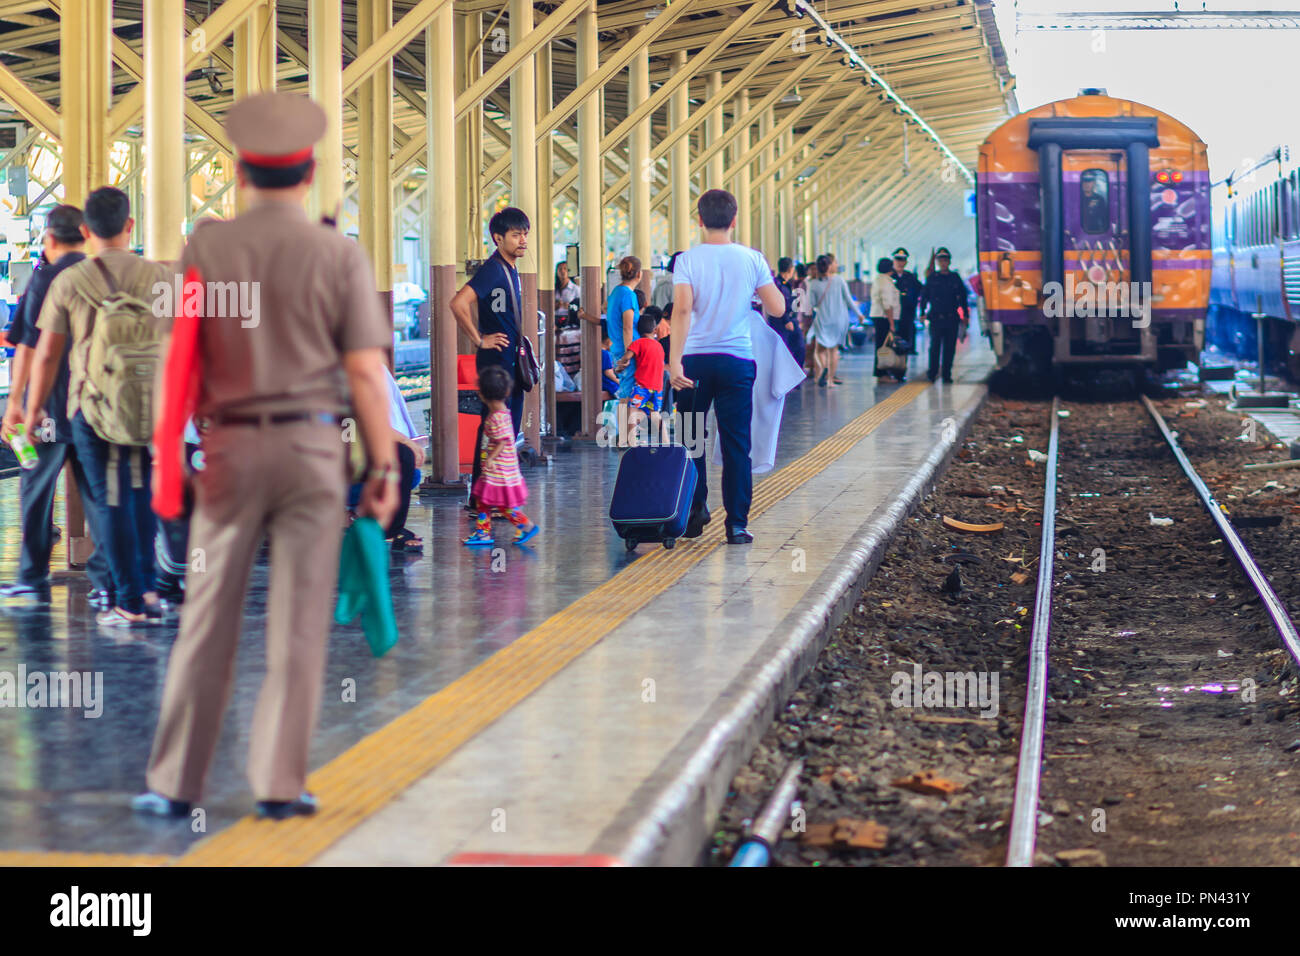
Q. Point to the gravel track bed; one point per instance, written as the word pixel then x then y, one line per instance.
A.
pixel 1156 752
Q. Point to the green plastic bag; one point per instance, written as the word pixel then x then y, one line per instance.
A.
pixel 363 585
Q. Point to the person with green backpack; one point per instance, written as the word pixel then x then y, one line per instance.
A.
pixel 102 308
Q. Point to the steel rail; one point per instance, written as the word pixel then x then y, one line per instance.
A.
pixel 1273 605
pixel 1024 810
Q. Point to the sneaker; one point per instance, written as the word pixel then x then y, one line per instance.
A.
pixel 100 598
pixel 160 806
pixel 480 537
pixel 528 535
pixel 304 806
pixel 739 536
pixel 26 593
pixel 116 617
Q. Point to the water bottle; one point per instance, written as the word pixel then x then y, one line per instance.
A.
pixel 23 448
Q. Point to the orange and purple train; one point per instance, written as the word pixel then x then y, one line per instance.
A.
pixel 1093 230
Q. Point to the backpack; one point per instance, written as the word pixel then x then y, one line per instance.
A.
pixel 122 351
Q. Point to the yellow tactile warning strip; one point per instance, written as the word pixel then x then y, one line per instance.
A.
pixel 365 777
pixel 46 858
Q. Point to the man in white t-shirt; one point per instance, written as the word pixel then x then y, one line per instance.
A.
pixel 712 360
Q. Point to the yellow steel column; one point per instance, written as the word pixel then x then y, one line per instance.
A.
pixel 325 82
pixel 523 187
pixel 85 90
pixel 255 50
pixel 468 185
pixel 789 244
pixel 767 194
pixel 167 189
pixel 375 151
pixel 638 164
pixel 440 128
pixel 544 230
pixel 714 168
pixel 591 216
pixel 740 146
pixel 681 225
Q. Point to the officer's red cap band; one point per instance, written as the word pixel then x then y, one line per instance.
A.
pixel 277 162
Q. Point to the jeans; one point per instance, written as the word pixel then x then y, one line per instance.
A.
pixel 37 487
pixel 726 383
pixel 127 519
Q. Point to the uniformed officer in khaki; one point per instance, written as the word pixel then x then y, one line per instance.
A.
pixel 272 395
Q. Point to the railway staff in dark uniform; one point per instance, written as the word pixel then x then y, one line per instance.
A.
pixel 270 397
pixel 945 299
pixel 909 295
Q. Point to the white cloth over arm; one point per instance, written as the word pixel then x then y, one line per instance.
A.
pixel 776 375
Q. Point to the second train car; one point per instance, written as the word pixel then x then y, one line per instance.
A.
pixel 1093 230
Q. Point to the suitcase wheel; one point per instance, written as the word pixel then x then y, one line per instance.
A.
pixel 670 543
pixel 629 543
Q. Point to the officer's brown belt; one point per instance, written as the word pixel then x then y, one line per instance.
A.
pixel 277 418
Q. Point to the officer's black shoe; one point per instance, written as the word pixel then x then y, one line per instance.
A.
pixel 947 380
pixel 696 522
pixel 160 806
pixel 932 375
pixel 304 806
pixel 739 536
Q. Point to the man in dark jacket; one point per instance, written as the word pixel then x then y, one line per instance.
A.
pixel 62 247
pixel 909 295
pixel 944 298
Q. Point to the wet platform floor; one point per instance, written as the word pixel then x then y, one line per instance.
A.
pixel 65 778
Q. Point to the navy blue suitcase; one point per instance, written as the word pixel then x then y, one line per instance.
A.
pixel 652 494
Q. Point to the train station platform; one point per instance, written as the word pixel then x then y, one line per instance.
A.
pixel 562 701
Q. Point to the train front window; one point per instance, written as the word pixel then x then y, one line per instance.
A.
pixel 1094 201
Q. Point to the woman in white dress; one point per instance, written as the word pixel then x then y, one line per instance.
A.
pixel 885 306
pixel 833 306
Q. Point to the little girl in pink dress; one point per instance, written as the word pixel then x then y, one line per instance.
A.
pixel 500 487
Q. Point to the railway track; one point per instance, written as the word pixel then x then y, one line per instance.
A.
pixel 1027 817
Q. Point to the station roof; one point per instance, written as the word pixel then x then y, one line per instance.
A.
pixel 942 64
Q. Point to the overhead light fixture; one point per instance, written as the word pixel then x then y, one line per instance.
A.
pixel 792 97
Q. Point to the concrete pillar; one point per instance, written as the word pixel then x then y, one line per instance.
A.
pixel 714 167
pixel 164 129
pixel 740 188
pixel 440 129
pixel 375 151
pixel 544 230
pixel 681 223
pixel 325 84
pixel 523 187
pixel 591 215
pixel 767 195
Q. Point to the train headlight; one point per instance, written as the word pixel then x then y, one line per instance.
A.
pixel 1162 176
pixel 1176 176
